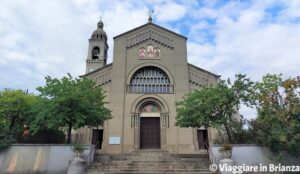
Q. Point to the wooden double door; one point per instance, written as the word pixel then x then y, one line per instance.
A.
pixel 150 133
pixel 97 138
pixel 202 139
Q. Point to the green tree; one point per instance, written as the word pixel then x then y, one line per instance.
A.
pixel 278 107
pixel 215 106
pixel 16 108
pixel 6 137
pixel 15 111
pixel 71 103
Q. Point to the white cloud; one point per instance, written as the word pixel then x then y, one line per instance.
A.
pixel 248 45
pixel 205 13
pixel 293 9
pixel 169 12
pixel 40 38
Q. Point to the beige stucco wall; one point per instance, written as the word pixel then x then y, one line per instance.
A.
pixel 183 76
pixel 125 63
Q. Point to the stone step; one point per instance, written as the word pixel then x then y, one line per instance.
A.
pixel 141 171
pixel 187 161
pixel 149 151
pixel 153 160
pixel 147 158
pixel 174 165
pixel 149 167
pixel 121 163
pixel 149 171
pixel 150 161
pixel 166 167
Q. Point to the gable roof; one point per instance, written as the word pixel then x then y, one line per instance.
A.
pixel 148 24
pixel 96 70
pixel 203 70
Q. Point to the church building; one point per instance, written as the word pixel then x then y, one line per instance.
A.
pixel 149 74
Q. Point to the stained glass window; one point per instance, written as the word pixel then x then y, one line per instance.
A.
pixel 150 80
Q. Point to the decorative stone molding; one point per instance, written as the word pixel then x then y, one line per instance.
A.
pixel 135 120
pixel 95 62
pixel 102 76
pixel 149 35
pixel 198 79
pixel 164 120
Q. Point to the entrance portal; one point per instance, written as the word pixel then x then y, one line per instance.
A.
pixel 202 139
pixel 150 133
pixel 97 138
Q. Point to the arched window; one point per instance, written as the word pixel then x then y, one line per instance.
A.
pixel 150 80
pixel 95 53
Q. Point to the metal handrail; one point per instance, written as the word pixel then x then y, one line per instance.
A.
pixel 206 147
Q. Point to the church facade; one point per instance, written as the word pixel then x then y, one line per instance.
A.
pixel 149 74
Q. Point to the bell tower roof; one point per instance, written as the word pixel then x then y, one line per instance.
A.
pixel 100 24
pixel 99 33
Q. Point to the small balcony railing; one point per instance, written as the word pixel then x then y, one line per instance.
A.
pixel 150 88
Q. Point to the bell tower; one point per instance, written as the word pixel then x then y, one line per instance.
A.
pixel 97 51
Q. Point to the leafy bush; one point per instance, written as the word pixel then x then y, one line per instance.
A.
pixel 225 147
pixel 6 138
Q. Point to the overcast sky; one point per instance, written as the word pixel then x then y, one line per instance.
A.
pixel 50 37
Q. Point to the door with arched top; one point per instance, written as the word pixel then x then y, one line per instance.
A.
pixel 150 127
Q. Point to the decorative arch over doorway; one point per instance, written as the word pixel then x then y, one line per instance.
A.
pixel 150 118
pixel 149 98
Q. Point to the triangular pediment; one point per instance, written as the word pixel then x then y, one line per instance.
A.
pixel 151 32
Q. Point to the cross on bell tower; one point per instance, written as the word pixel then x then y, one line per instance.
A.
pixel 150 16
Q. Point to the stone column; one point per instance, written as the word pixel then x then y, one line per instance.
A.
pixel 136 126
pixel 164 124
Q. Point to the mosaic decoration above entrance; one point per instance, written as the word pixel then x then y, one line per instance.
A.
pixel 150 108
pixel 149 53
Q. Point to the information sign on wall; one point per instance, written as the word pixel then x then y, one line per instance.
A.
pixel 114 140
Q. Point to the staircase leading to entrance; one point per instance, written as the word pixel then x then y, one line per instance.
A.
pixel 150 161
